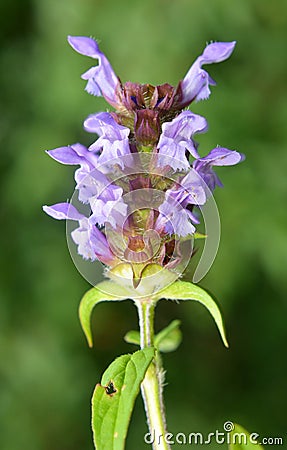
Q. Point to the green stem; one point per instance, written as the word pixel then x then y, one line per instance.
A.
pixel 151 387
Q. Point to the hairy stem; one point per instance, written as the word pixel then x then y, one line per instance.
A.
pixel 151 387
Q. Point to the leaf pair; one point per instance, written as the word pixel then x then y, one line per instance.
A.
pixel 167 340
pixel 179 290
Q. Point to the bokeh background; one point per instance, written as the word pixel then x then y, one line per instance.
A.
pixel 47 373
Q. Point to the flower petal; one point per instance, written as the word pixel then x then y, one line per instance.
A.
pixel 217 52
pixel 73 155
pixel 95 123
pixel 65 155
pixel 84 45
pixel 221 156
pixel 62 211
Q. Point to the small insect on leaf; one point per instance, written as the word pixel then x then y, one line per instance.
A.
pixel 110 388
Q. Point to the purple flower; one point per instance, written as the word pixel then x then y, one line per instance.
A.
pixel 102 80
pixel 176 138
pixel 78 154
pixel 113 140
pixel 92 243
pixel 108 206
pixel 93 186
pixel 174 219
pixel 195 85
pixel 219 156
pixel 91 182
pixel 62 211
pixel 189 190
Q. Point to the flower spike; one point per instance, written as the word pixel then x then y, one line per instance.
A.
pixel 143 177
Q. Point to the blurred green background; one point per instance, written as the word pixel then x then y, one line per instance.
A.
pixel 47 373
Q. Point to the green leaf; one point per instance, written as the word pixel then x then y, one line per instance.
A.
pixel 113 400
pixel 183 290
pixel 240 439
pixel 132 337
pixel 198 235
pixel 105 291
pixel 169 339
